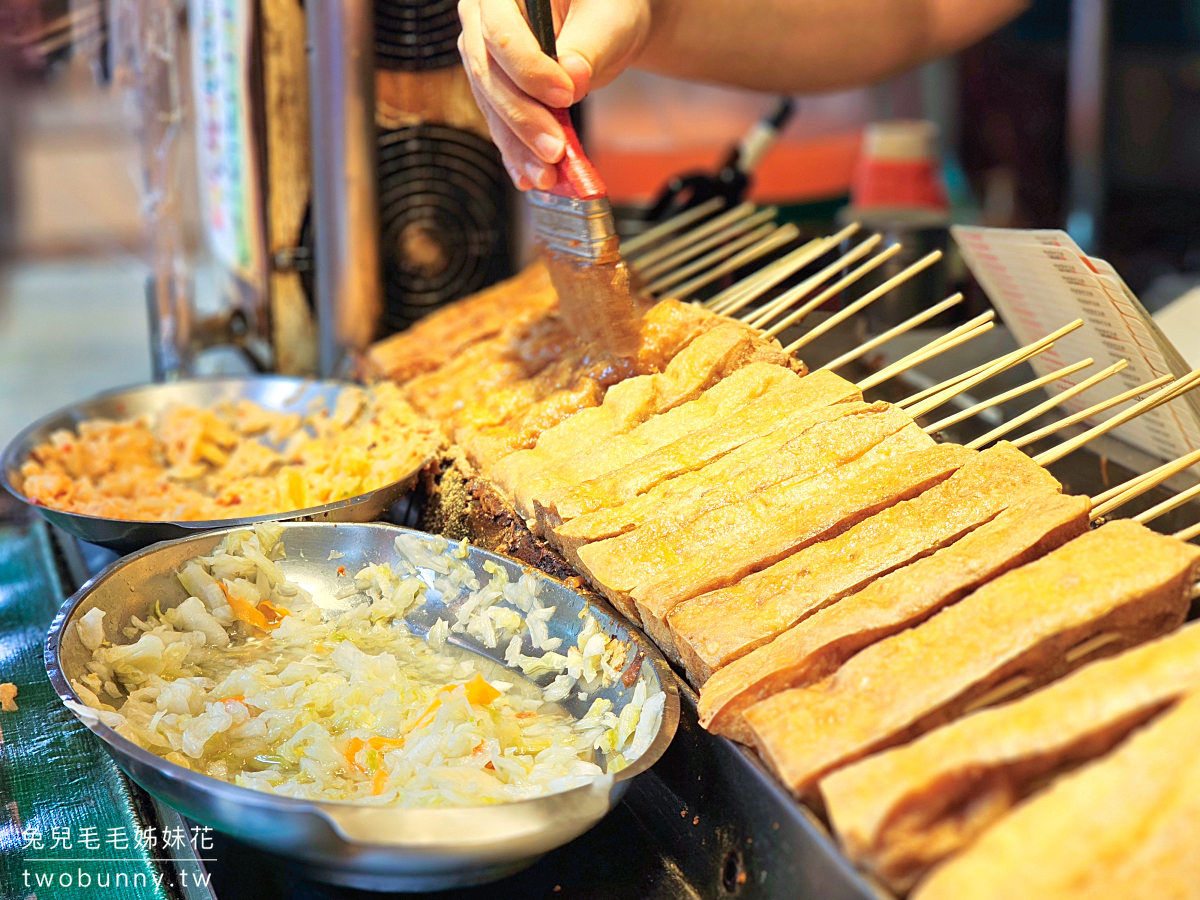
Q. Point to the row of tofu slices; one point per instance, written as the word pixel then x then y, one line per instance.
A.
pixel 858 602
pixel 928 643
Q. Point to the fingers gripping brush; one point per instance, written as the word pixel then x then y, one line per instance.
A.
pixel 573 225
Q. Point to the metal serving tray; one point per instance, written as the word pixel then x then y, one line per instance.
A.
pixel 278 393
pixel 360 846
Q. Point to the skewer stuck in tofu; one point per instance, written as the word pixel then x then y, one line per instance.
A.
pixel 1105 591
pixel 901 812
pixel 726 545
pixel 816 647
pixel 715 629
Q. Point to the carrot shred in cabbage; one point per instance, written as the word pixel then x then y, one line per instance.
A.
pixel 426 717
pixel 382 743
pixel 352 748
pixel 379 782
pixel 266 615
pixel 479 692
pixel 244 609
pixel 273 614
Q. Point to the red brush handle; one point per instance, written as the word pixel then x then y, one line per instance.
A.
pixel 577 178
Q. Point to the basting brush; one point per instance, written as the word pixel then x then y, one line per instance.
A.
pixel 574 227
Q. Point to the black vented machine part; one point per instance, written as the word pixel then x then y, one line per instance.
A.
pixel 416 35
pixel 444 218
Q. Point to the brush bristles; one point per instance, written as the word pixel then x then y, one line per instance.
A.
pixel 578 228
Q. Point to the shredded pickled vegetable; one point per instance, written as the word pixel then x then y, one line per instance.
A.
pixel 235 460
pixel 251 681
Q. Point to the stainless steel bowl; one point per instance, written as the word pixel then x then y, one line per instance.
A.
pixel 375 848
pixel 124 536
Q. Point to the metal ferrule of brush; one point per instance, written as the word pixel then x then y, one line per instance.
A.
pixel 581 228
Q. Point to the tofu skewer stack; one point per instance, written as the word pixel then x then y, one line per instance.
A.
pixel 890 621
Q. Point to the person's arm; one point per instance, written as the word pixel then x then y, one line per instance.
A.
pixel 790 46
pixel 799 46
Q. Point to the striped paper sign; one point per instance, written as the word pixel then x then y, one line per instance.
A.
pixel 1039 281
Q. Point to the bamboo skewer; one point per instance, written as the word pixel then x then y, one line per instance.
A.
pixel 958 385
pixel 683 273
pixel 759 282
pixel 759 317
pixel 672 264
pixel 1115 497
pixel 934 348
pixel 951 336
pixel 907 325
pixel 929 351
pixel 1042 408
pixel 1187 534
pixel 769 276
pixel 736 222
pixel 779 238
pixel 1116 490
pixel 57 33
pixel 972 372
pixel 1167 505
pixel 832 291
pixel 1009 395
pixel 1180 387
pixel 785 301
pixel 1163 395
pixel 699 233
pixel 631 247
pixel 995 368
pixel 1137 480
pixel 1123 397
pixel 951 387
pixel 862 302
pixel 949 382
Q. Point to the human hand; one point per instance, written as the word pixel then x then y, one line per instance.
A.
pixel 514 81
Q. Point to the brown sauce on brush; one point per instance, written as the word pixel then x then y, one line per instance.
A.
pixel 596 303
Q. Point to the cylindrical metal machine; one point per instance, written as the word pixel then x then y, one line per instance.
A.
pixel 424 216
pixel 347 181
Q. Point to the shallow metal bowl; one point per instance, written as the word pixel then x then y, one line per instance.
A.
pixel 371 847
pixel 277 393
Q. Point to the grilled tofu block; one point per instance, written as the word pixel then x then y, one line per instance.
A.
pixel 487 446
pixel 729 396
pixel 729 543
pixel 430 343
pixel 1105 591
pixel 667 328
pixel 490 423
pixel 689 447
pixel 755 383
pixel 686 454
pixel 497 406
pixel 806 442
pixel 817 646
pixel 903 811
pixel 488 366
pixel 704 362
pixel 615 567
pixel 714 629
pixel 1122 826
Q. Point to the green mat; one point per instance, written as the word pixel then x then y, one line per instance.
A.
pixel 70 824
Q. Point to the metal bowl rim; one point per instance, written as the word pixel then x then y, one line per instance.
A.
pixel 235 793
pixel 8 461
